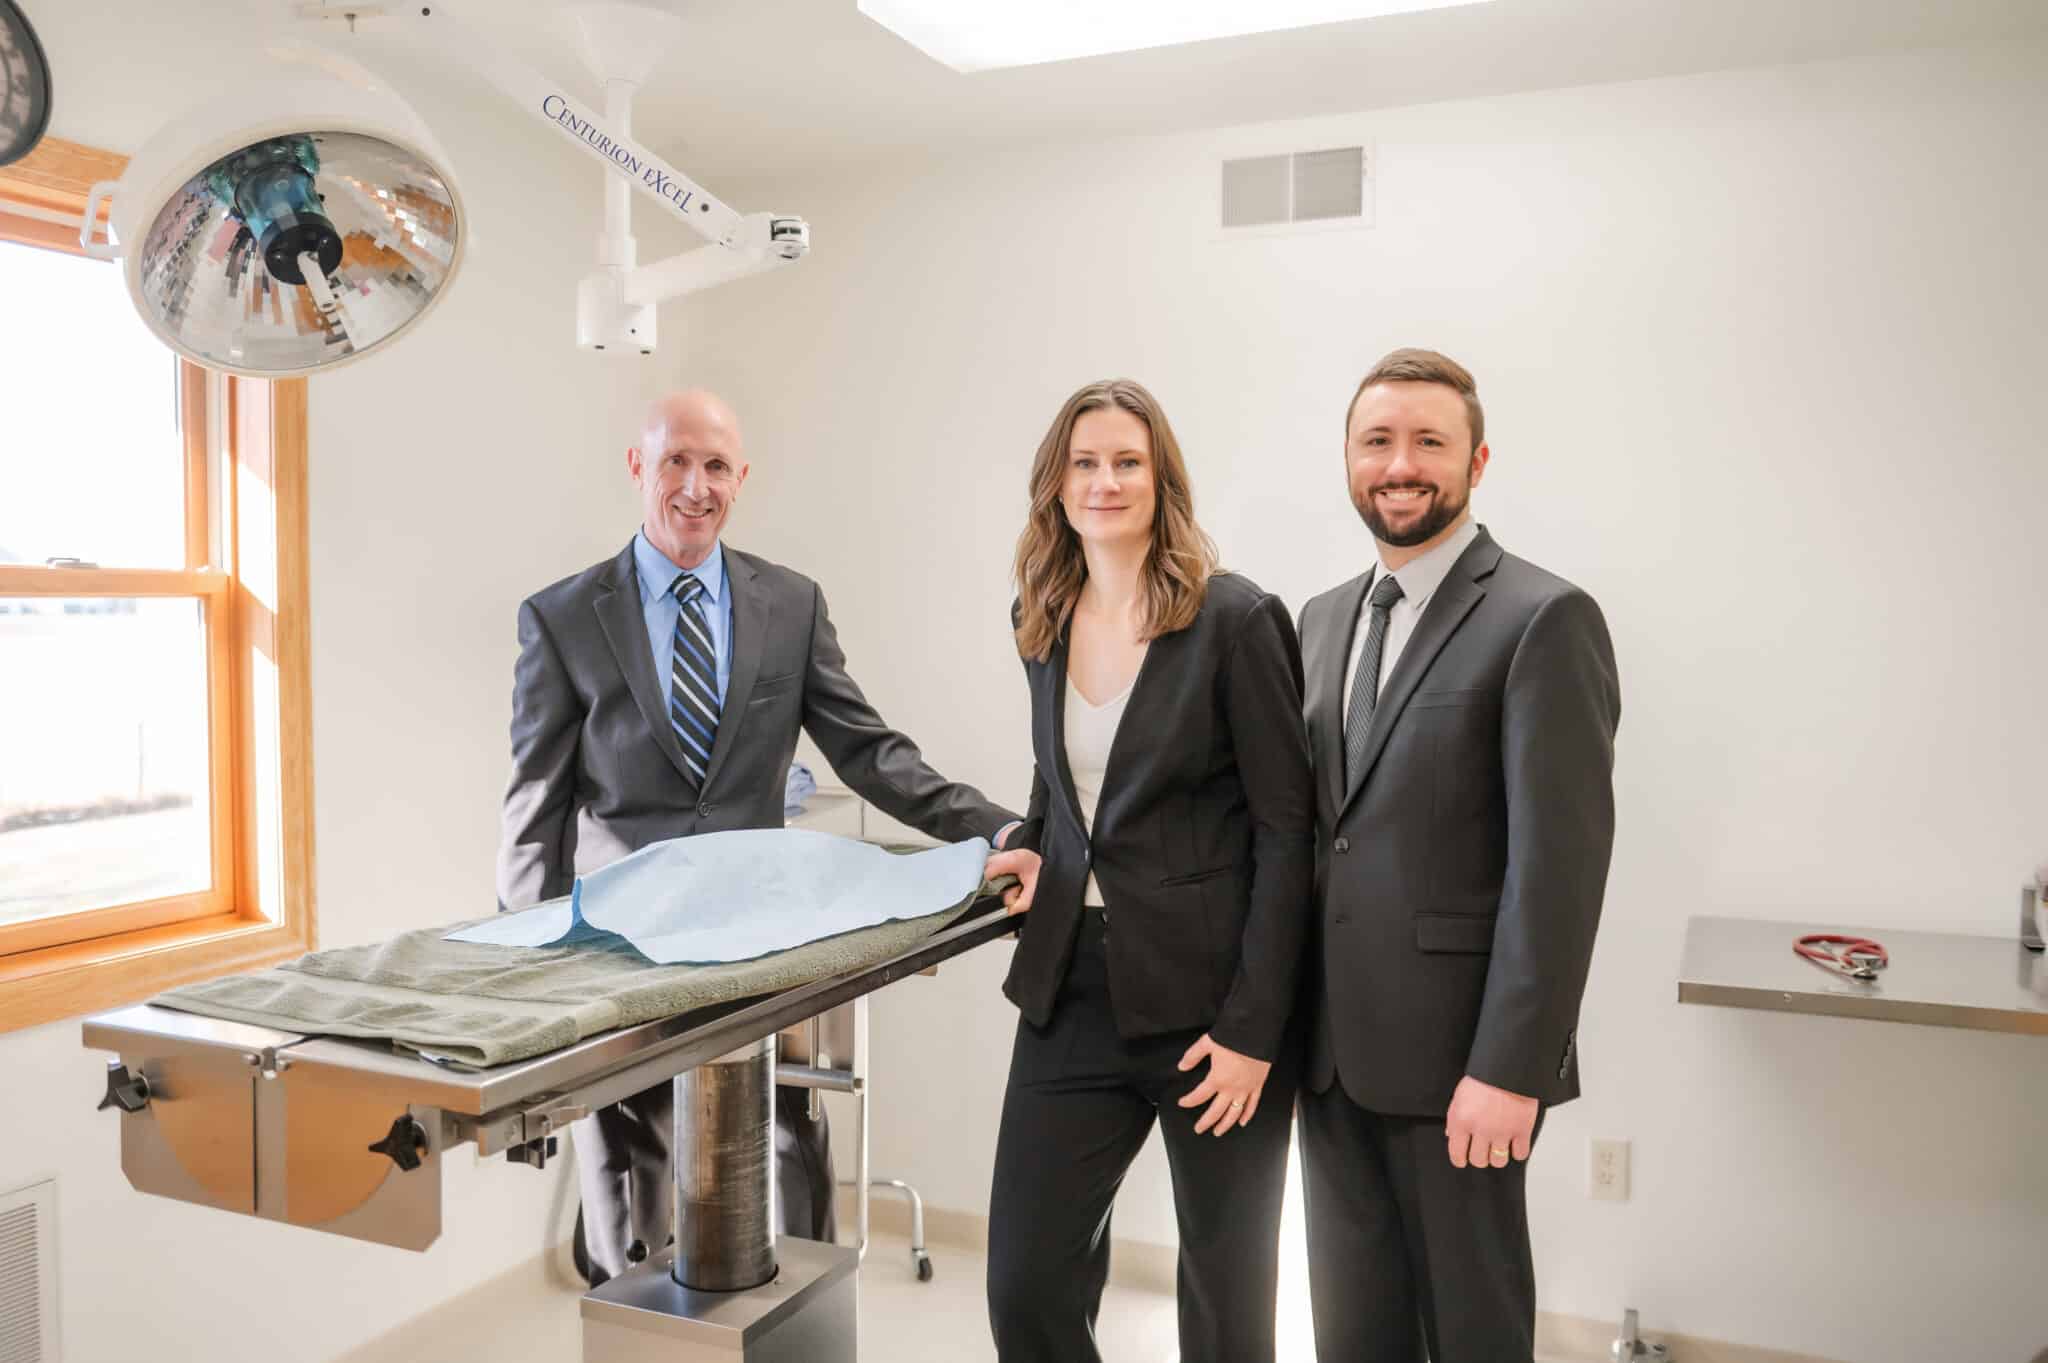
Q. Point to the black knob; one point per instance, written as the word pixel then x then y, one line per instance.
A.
pixel 129 1092
pixel 406 1143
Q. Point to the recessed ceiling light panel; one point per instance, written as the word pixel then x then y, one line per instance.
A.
pixel 982 35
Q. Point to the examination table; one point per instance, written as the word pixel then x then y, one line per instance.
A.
pixel 347 1136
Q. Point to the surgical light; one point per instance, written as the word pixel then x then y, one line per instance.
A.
pixel 301 221
pixel 24 85
pixel 307 217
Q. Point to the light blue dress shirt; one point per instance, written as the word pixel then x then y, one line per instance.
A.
pixel 659 607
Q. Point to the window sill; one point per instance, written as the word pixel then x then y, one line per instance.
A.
pixel 108 972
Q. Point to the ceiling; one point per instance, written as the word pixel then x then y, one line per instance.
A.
pixel 773 86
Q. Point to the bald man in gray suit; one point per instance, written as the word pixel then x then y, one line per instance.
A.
pixel 1462 705
pixel 659 694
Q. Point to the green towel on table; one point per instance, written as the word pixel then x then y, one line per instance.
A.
pixel 489 1005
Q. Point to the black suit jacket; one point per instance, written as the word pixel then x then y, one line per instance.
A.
pixel 1458 883
pixel 1202 838
pixel 597 771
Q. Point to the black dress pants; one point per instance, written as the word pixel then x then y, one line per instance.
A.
pixel 627 1173
pixel 1080 1104
pixel 1410 1257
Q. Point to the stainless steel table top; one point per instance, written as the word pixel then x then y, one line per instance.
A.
pixel 1988 984
pixel 671 1044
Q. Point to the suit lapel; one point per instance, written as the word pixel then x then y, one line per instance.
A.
pixel 1054 674
pixel 1326 695
pixel 752 612
pixel 1114 793
pixel 625 629
pixel 1447 609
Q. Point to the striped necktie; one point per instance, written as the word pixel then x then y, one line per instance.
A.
pixel 1365 687
pixel 693 679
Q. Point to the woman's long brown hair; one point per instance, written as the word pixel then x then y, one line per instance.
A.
pixel 1050 567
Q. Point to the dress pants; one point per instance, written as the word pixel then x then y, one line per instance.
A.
pixel 1410 1257
pixel 1080 1104
pixel 627 1173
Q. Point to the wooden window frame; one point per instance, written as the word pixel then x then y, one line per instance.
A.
pixel 238 433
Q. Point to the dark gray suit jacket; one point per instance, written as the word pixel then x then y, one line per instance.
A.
pixel 1458 884
pixel 596 768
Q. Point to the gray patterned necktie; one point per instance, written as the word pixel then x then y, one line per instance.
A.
pixel 693 679
pixel 1365 687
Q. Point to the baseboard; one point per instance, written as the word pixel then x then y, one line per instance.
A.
pixel 1582 1339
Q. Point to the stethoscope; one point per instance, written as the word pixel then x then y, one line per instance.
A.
pixel 1854 958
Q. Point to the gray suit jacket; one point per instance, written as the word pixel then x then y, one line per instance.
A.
pixel 596 768
pixel 1458 883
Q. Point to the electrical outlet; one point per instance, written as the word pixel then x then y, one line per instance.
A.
pixel 1607 1171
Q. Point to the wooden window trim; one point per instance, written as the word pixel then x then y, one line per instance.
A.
pixel 42 196
pixel 120 955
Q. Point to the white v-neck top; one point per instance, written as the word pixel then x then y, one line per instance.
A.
pixel 1091 729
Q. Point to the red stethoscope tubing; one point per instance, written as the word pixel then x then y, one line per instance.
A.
pixel 1859 958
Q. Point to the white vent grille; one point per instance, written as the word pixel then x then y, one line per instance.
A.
pixel 28 1275
pixel 1258 190
pixel 1306 186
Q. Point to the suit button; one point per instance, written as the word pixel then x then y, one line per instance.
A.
pixel 704 810
pixel 1343 844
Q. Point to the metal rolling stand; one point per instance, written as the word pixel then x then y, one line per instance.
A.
pixel 829 1053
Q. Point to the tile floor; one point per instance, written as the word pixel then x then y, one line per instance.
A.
pixel 531 1316
pixel 525 1317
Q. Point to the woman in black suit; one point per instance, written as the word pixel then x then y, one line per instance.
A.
pixel 1172 808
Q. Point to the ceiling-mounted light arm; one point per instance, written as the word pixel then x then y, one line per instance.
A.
pixel 762 238
pixel 616 304
pixel 762 241
pixel 602 137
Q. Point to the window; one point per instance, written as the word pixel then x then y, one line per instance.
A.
pixel 155 787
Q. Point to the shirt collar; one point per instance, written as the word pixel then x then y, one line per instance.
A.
pixel 658 573
pixel 1422 575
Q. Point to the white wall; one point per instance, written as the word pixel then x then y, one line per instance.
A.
pixel 1760 352
pixel 451 476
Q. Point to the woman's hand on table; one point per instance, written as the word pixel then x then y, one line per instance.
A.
pixel 1021 863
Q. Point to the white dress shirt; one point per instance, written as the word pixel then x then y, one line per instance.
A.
pixel 1419 579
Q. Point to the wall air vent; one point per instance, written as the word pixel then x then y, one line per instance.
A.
pixel 28 1274
pixel 1328 186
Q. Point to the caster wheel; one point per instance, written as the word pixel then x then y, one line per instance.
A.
pixel 924 1269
